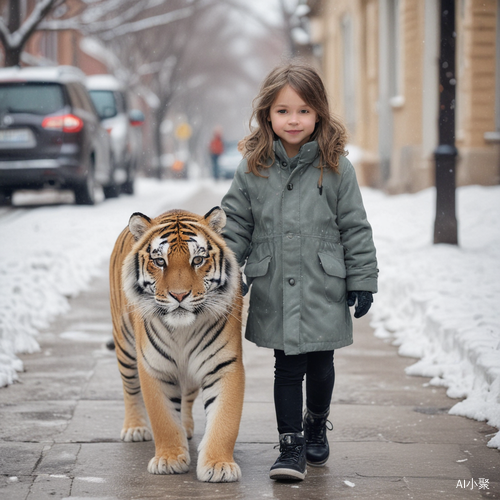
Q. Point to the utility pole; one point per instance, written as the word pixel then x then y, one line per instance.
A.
pixel 445 225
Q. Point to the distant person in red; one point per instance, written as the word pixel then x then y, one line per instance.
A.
pixel 216 149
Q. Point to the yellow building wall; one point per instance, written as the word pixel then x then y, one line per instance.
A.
pixel 476 57
pixel 412 169
pixel 414 111
pixel 363 136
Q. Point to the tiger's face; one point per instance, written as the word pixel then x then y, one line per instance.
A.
pixel 180 268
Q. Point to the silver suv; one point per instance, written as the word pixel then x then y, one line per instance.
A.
pixel 110 98
pixel 50 134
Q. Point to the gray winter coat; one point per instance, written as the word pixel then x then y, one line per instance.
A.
pixel 304 248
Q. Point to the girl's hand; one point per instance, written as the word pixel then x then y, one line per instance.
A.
pixel 244 286
pixel 364 299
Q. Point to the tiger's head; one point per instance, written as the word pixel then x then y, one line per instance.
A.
pixel 180 267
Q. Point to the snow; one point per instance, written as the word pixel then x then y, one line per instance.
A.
pixel 50 254
pixel 437 303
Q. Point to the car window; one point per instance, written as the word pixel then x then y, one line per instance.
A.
pixel 84 98
pixel 75 96
pixel 31 97
pixel 104 102
pixel 121 102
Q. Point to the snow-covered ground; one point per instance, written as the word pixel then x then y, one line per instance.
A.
pixel 440 303
pixel 51 253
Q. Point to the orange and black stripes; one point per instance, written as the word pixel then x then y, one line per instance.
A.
pixel 176 309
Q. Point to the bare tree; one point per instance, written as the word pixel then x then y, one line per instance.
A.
pixel 181 64
pixel 151 53
pixel 105 18
pixel 17 32
pixel 293 27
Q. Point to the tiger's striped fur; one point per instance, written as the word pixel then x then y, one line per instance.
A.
pixel 176 309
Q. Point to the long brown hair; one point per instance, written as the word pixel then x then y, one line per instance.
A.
pixel 329 132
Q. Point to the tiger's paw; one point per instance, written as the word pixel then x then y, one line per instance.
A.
pixel 175 462
pixel 218 472
pixel 130 434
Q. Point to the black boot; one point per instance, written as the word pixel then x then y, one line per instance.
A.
pixel 291 464
pixel 317 449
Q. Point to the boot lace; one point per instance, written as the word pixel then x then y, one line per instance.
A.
pixel 316 433
pixel 289 453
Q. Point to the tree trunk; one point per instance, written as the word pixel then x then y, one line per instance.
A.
pixel 14 15
pixel 13 54
pixel 157 141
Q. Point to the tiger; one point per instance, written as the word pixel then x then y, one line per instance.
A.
pixel 176 305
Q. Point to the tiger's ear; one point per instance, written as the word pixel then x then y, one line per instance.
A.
pixel 216 219
pixel 138 224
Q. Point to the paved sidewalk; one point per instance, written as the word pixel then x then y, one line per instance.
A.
pixel 392 437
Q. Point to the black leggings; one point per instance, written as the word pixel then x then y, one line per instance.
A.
pixel 289 374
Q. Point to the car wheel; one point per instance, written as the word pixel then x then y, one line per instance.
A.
pixel 5 198
pixel 128 187
pixel 112 191
pixel 85 192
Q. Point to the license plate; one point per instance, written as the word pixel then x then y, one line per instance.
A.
pixel 16 138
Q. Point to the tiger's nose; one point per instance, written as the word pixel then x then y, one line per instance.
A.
pixel 179 296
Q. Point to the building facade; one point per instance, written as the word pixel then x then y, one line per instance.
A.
pixel 380 61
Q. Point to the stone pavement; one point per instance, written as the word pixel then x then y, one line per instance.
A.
pixel 392 437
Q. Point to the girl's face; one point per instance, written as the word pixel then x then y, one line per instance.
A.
pixel 292 120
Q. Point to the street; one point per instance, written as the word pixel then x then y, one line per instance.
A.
pixel 392 437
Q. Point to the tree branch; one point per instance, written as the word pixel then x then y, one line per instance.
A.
pixel 19 37
pixel 4 33
pixel 89 18
pixel 245 9
pixel 150 22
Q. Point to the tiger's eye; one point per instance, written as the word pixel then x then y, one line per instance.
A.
pixel 198 260
pixel 159 262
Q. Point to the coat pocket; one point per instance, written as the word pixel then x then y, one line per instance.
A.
pixel 334 277
pixel 257 269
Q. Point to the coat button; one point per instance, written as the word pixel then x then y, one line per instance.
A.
pixel 290 186
pixel 284 165
pixel 291 281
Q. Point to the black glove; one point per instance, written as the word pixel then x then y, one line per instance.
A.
pixel 365 300
pixel 244 286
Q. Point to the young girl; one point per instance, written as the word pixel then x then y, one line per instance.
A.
pixel 295 218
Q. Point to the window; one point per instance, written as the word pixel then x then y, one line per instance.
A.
pixel 497 70
pixel 121 102
pixel 76 102
pixel 84 98
pixel 37 98
pixel 349 79
pixel 494 136
pixel 48 45
pixel 395 53
pixel 104 102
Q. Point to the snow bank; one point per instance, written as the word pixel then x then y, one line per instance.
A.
pixel 440 303
pixel 50 254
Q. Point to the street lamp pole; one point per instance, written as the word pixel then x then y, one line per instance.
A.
pixel 445 225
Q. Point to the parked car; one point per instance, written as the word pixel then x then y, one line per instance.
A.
pixel 110 98
pixel 50 134
pixel 229 160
